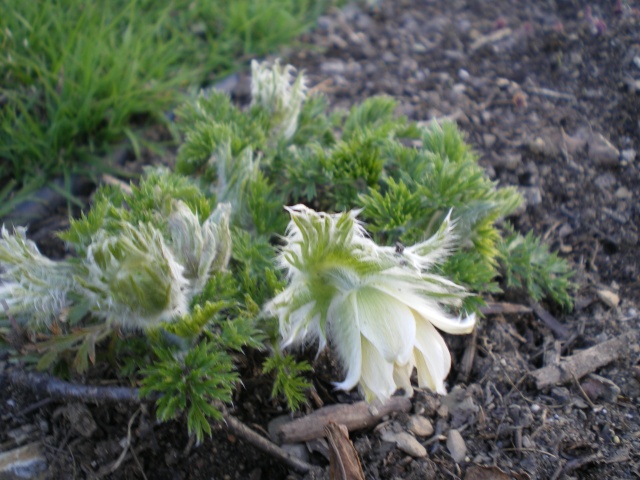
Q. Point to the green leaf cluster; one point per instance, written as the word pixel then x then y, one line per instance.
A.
pixel 289 378
pixel 526 263
pixel 405 177
pixel 195 381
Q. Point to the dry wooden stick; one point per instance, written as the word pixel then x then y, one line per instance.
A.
pixel 355 416
pixel 493 308
pixel 550 321
pixel 581 363
pixel 268 447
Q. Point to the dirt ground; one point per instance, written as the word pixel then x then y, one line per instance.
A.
pixel 548 93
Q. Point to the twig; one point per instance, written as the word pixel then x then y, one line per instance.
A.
pixel 127 444
pixel 576 463
pixel 494 308
pixel 469 354
pixel 35 406
pixel 533 450
pixel 60 389
pixel 244 432
pixel 584 394
pixel 581 363
pixel 549 320
pixel 491 38
pixel 355 416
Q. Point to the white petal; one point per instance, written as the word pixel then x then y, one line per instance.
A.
pixel 432 357
pixel 386 323
pixel 402 377
pixel 295 329
pixel 345 335
pixel 377 373
pixel 430 310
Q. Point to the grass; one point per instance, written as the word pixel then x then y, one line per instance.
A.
pixel 77 77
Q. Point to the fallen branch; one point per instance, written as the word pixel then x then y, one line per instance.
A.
pixel 55 388
pixel 268 447
pixel 494 308
pixel 550 321
pixel 581 363
pixel 354 416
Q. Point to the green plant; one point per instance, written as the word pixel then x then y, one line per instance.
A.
pixel 197 270
pixel 79 78
pixel 528 264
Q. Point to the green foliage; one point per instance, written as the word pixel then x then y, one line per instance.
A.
pixel 196 382
pixel 177 272
pixel 79 78
pixel 526 263
pixel 360 159
pixel 289 380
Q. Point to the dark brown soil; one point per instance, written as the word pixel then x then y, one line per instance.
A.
pixel 548 93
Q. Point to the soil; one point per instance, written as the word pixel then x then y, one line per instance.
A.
pixel 548 93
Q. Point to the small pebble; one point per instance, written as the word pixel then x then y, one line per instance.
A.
pixel 457 447
pixel 405 442
pixel 420 426
pixel 609 298
pixel 628 155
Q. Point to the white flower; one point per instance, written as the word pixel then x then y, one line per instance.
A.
pixel 376 306
pixel 273 90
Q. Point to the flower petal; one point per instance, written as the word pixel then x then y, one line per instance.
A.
pixel 426 308
pixel 402 377
pixel 377 374
pixel 387 323
pixel 432 357
pixel 344 332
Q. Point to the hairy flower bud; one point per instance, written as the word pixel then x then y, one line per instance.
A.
pixel 134 278
pixel 271 89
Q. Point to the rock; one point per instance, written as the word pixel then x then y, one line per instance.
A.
pixel 600 388
pixel 623 193
pixel 389 57
pixel 489 140
pixel 605 181
pixel 609 298
pixel 420 426
pixel 457 447
pixel 333 67
pixel 532 195
pixel 405 442
pixel 23 462
pixel 510 161
pixel 561 394
pixel 297 450
pixel 577 142
pixel 80 418
pixel 628 155
pixel 461 406
pixel 602 152
pixel 547 147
